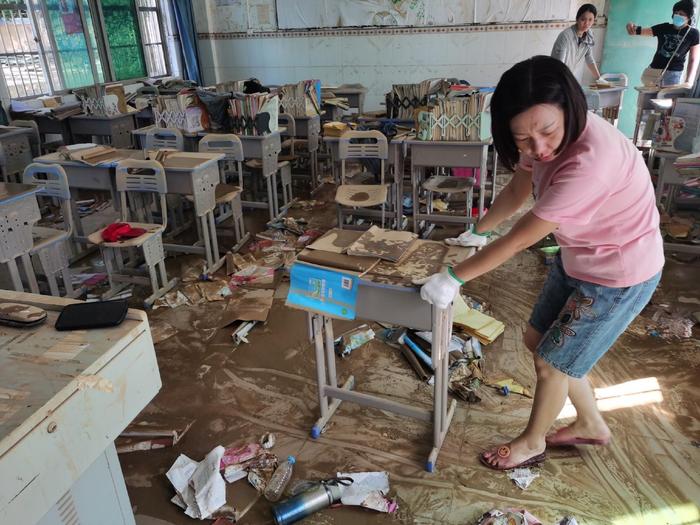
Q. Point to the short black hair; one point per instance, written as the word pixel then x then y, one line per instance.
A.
pixel 586 8
pixel 687 6
pixel 537 80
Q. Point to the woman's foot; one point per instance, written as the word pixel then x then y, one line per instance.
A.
pixel 518 453
pixel 580 434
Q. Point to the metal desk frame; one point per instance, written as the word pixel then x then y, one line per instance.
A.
pixel 449 154
pixel 395 305
pixel 309 128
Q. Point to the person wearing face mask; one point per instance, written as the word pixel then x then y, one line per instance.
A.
pixel 593 192
pixel 574 45
pixel 674 42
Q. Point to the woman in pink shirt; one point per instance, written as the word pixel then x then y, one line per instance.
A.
pixel 593 192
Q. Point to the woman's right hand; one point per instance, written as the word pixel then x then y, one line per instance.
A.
pixel 631 28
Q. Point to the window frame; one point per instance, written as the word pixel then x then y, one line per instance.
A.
pixel 34 7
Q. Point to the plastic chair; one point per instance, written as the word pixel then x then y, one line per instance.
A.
pixel 350 197
pixel 142 187
pixel 35 140
pixel 228 196
pixel 164 138
pixel 51 245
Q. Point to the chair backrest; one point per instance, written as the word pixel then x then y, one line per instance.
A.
pixel 52 180
pixel 141 176
pixel 35 141
pixel 363 145
pixel 228 143
pixel 287 120
pixel 162 138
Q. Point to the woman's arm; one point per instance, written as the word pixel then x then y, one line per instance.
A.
pixel 644 31
pixel 511 198
pixel 526 232
pixel 692 69
pixel 559 48
pixel 593 67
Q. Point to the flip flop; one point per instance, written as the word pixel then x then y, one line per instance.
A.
pixel 504 452
pixel 553 442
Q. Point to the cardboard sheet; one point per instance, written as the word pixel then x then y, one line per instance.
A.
pixel 341 261
pixel 336 240
pixel 386 244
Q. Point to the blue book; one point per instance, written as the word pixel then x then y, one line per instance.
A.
pixel 323 290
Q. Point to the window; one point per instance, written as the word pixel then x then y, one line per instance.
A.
pixel 152 24
pixel 80 43
pixel 20 59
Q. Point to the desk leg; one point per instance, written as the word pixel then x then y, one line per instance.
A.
pixel 414 196
pixel 484 176
pixel 442 415
pixel 14 274
pixel 325 352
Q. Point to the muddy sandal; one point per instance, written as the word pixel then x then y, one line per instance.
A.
pixel 504 452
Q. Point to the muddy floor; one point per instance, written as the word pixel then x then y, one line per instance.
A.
pixel 649 473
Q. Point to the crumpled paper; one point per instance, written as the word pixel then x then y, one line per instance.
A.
pixel 199 486
pixel 369 490
pixel 523 477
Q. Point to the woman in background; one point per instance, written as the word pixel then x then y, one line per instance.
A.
pixel 675 41
pixel 575 44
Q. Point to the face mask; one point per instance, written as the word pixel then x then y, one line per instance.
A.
pixel 679 21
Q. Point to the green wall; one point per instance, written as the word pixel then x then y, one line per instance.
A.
pixel 627 54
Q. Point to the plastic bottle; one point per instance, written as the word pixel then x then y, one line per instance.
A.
pixel 279 480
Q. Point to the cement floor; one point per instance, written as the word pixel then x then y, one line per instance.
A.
pixel 649 474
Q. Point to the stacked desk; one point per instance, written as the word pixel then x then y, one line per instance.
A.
pixel 65 397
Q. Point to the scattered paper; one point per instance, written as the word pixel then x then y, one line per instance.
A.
pixel 368 489
pixel 523 477
pixel 200 488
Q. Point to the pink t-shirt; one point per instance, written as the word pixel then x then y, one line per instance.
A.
pixel 599 192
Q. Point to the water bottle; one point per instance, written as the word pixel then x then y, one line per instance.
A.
pixel 279 480
pixel 294 509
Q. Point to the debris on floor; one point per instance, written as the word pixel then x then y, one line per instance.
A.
pixel 523 477
pixel 368 490
pixel 353 339
pixel 509 386
pixel 200 489
pixel 508 517
pixel 152 434
pixel 474 322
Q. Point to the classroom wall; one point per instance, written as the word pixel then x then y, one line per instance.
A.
pixel 631 54
pixel 378 57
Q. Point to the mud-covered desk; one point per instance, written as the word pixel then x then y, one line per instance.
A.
pixel 65 397
pixel 385 298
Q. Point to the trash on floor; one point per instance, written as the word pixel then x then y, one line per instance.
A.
pixel 160 330
pixel 240 334
pixel 199 487
pixel 476 323
pixel 523 477
pixel 465 377
pixel 369 490
pixel 353 339
pixel 268 440
pixel 508 386
pixel 672 326
pixel 568 520
pixel 308 499
pixel 154 434
pixel 508 517
pixel 253 275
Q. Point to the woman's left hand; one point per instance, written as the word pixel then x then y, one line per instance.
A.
pixel 440 289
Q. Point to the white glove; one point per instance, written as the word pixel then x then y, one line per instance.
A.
pixel 469 239
pixel 440 288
